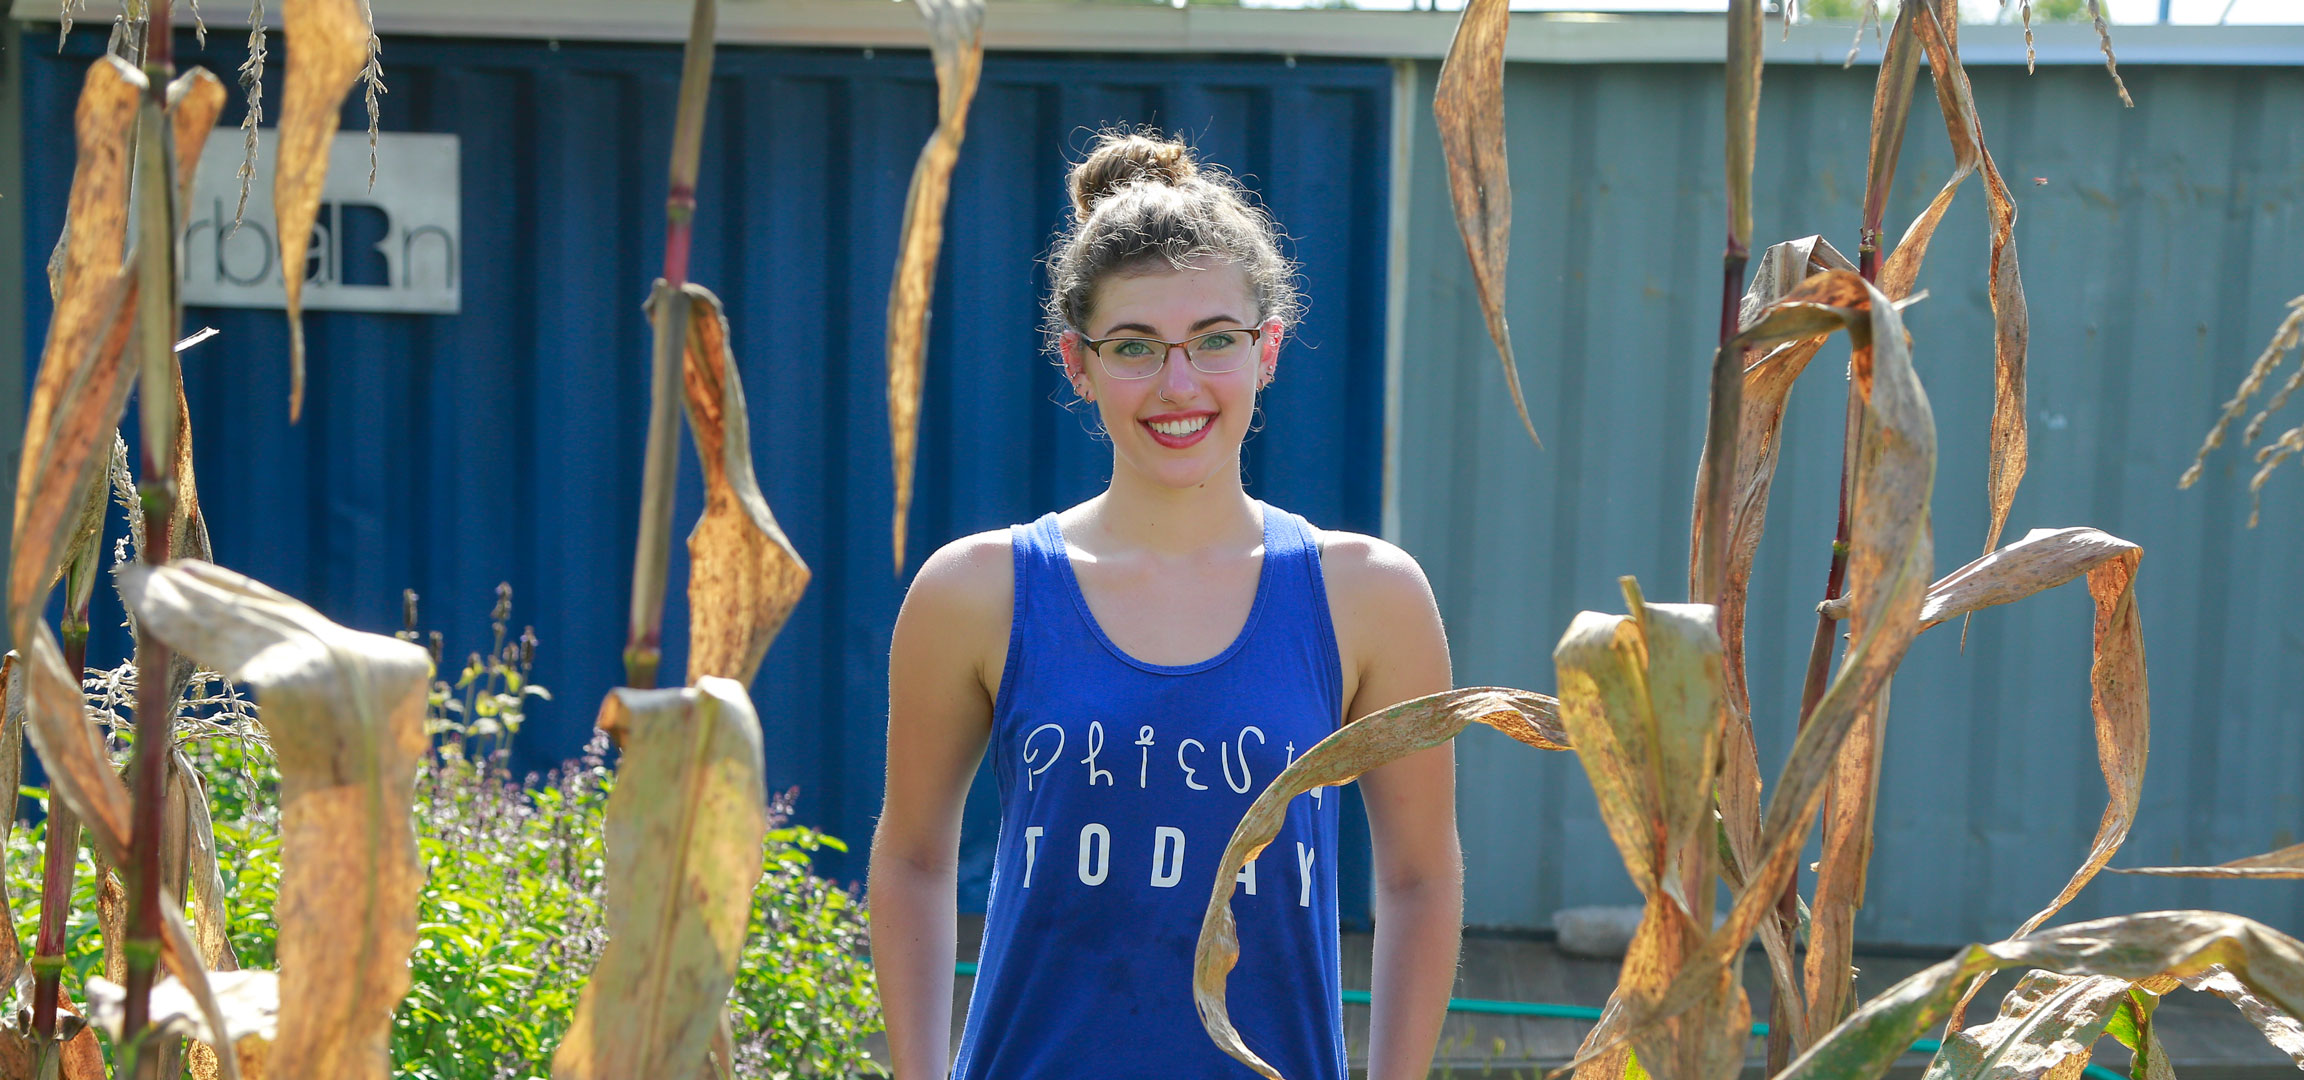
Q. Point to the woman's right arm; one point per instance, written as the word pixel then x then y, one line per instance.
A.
pixel 944 664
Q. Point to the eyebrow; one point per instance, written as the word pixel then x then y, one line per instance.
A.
pixel 1211 320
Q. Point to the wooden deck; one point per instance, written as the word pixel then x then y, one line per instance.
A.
pixel 2206 1037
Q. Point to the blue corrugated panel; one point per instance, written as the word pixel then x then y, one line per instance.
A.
pixel 503 444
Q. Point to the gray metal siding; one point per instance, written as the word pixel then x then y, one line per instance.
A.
pixel 2156 259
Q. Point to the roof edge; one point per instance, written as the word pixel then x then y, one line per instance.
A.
pixel 1057 26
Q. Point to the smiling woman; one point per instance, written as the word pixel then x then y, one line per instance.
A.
pixel 1176 621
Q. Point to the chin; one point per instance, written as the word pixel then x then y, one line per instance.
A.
pixel 1183 473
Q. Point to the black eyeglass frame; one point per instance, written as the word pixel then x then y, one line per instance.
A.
pixel 1096 345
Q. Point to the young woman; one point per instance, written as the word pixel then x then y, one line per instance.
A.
pixel 1140 666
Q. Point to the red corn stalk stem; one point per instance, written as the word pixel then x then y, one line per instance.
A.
pixel 1727 408
pixel 1741 94
pixel 157 323
pixel 652 555
pixel 1893 101
pixel 59 860
pixel 159 47
pixel 60 855
pixel 1732 264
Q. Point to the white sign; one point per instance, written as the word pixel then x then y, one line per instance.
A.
pixel 396 247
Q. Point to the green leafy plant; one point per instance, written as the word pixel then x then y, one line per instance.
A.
pixel 511 911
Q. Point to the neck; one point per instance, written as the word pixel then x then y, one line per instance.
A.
pixel 1163 520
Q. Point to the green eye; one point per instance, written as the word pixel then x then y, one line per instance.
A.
pixel 1221 340
pixel 1132 349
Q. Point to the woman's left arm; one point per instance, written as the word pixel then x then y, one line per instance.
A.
pixel 1388 629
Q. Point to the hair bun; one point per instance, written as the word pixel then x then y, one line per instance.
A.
pixel 1119 159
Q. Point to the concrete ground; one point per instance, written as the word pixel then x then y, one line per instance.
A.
pixel 2206 1038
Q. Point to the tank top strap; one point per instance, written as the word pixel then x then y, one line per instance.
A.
pixel 1299 599
pixel 1043 584
pixel 1292 556
pixel 1039 546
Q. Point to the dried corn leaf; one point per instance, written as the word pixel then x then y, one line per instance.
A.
pixel 82 387
pixel 84 551
pixel 2042 560
pixel 1888 569
pixel 1704 1042
pixel 2120 694
pixel 1641 698
pixel 345 712
pixel 743 576
pixel 205 902
pixel 1938 29
pixel 71 747
pixel 1355 748
pixel 2288 862
pixel 250 1000
pixel 112 916
pixel 2048 1023
pixel 82 1057
pixel 1604 1054
pixel 195 100
pixel 1767 388
pixel 685 825
pixel 1891 108
pixel 190 844
pixel 956 38
pixel 81 774
pixel 2133 948
pixel 327 48
pixel 1468 106
pixel 1850 799
pixel 2280 1028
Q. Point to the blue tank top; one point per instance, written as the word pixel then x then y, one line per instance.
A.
pixel 1120 783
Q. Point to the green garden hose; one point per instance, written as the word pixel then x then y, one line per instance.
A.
pixel 1549 1011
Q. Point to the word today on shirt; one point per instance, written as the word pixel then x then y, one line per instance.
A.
pixel 1094 864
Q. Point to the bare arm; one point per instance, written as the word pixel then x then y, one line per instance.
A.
pixel 943 668
pixel 1389 629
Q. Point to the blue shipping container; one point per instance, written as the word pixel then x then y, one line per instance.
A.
pixel 448 453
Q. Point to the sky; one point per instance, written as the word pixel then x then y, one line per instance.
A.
pixel 2238 12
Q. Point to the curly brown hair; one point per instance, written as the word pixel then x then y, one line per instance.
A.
pixel 1141 199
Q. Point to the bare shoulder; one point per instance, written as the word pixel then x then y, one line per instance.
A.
pixel 968 580
pixel 1366 571
pixel 957 610
pixel 1388 632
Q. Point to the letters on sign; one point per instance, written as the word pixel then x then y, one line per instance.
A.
pixel 396 247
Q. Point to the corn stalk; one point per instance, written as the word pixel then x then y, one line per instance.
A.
pixel 689 812
pixel 157 322
pixel 668 307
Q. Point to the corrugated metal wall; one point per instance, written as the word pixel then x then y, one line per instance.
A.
pixel 2158 247
pixel 448 453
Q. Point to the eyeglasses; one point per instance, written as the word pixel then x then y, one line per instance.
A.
pixel 1214 353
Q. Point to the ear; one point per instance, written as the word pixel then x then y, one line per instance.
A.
pixel 1073 346
pixel 1268 351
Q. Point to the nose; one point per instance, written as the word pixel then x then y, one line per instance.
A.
pixel 1176 377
